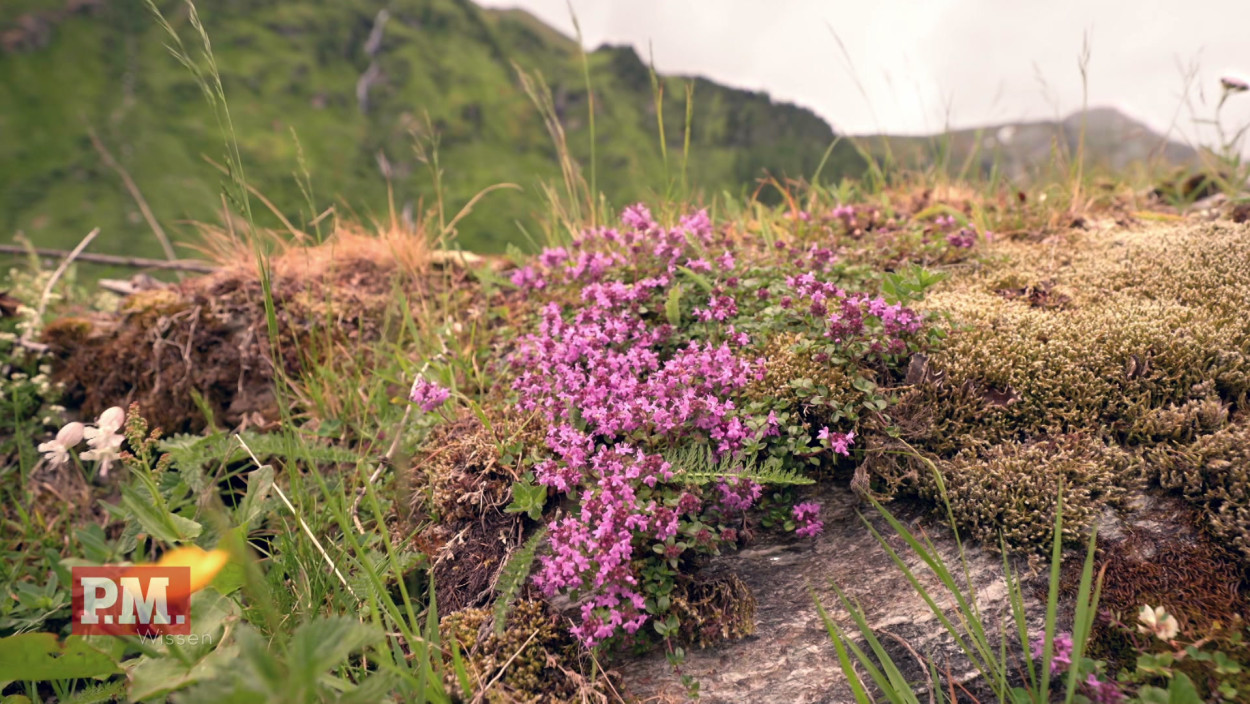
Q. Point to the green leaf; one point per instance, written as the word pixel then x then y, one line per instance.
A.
pixel 319 645
pixel 259 484
pixel 151 677
pixel 672 306
pixel 35 657
pixel 1182 690
pixel 528 497
pixel 95 545
pixel 863 384
pixel 701 281
pixel 162 525
pixel 1225 666
pixel 213 617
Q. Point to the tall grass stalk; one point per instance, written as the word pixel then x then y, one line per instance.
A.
pixel 975 635
pixel 590 109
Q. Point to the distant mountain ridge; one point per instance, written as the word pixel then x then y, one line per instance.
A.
pixel 1019 150
pixel 354 80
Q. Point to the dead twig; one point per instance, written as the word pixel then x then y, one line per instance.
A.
pixel 47 289
pixel 114 260
pixel 914 654
pixel 131 186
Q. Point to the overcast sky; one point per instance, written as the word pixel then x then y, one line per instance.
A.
pixel 926 63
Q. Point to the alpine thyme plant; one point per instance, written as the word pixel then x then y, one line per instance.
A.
pixel 652 339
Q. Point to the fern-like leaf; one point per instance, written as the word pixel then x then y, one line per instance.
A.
pixel 97 694
pixel 513 576
pixel 695 464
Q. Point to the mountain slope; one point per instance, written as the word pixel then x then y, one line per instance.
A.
pixel 354 85
pixel 1021 151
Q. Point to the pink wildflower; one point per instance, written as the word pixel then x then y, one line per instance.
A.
pixel 428 395
pixel 807 516
pixel 838 442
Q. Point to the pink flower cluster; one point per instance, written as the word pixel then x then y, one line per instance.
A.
pixel 608 370
pixel 641 242
pixel 604 366
pixel 592 551
pixel 738 494
pixel 428 395
pixel 965 238
pixel 1100 692
pixel 856 317
pixel 1061 651
pixel 838 442
pixel 808 517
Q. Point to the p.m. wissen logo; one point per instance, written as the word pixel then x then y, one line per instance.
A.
pixel 146 601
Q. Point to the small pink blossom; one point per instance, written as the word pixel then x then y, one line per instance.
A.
pixel 428 395
pixel 807 516
pixel 1061 651
pixel 838 442
pixel 1100 692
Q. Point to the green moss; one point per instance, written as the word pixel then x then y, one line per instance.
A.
pixel 1152 342
pixel 1013 488
pixel 1213 471
pixel 534 657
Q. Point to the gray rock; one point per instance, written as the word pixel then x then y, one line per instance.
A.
pixel 791 659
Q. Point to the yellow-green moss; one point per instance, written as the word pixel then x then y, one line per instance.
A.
pixel 714 609
pixel 1013 488
pixel 539 660
pixel 1156 320
pixel 1214 471
pixel 787 358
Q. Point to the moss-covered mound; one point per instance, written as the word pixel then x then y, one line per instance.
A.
pixel 1095 358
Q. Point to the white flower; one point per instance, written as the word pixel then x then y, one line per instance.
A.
pixel 57 451
pixel 1158 622
pixel 110 421
pixel 103 439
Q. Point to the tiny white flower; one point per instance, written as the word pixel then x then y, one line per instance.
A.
pixel 1157 621
pixel 57 451
pixel 111 420
pixel 104 440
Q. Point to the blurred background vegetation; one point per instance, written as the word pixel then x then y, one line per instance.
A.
pixel 338 91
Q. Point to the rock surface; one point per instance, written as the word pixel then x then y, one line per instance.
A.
pixel 790 658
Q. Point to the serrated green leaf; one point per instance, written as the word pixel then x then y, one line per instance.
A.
pixel 694 464
pixel 36 657
pixel 513 576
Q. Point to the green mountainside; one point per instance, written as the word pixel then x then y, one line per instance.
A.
pixel 354 84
